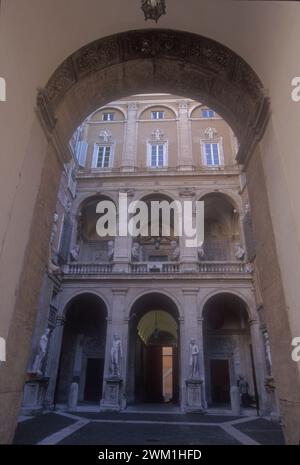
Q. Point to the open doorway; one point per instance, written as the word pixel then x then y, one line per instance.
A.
pixel 83 349
pixel 153 377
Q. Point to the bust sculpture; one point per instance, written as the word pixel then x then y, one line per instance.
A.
pixel 116 355
pixel 40 356
pixel 194 357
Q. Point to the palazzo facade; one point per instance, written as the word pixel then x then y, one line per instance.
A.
pixel 151 296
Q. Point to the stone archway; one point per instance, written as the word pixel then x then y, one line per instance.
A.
pixel 228 348
pixel 142 61
pixel 82 349
pixel 153 368
pixel 125 64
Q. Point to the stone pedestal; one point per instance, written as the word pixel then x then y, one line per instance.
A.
pixel 34 395
pixel 112 395
pixel 235 400
pixel 73 397
pixel 194 395
pixel 272 406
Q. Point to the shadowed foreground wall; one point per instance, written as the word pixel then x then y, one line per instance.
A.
pixel 285 370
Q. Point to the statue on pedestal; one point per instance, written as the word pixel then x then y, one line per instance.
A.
pixel 40 356
pixel 135 252
pixel 175 254
pixel 75 253
pixel 194 359
pixel 201 253
pixel 268 353
pixel 110 250
pixel 116 355
pixel 53 267
pixel 239 252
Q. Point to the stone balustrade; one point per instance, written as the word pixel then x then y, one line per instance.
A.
pixel 224 267
pixel 157 267
pixel 88 268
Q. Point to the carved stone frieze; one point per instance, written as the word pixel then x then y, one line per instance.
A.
pixel 190 64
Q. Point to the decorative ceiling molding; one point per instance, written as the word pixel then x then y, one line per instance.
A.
pixel 191 65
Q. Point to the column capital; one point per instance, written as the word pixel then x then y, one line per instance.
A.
pixel 253 322
pixel 132 106
pixel 183 105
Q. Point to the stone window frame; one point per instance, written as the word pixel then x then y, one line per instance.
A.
pixel 108 113
pixel 215 140
pixel 97 145
pixel 207 109
pixel 165 144
pixel 157 112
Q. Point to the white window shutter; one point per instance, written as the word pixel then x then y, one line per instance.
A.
pixel 82 152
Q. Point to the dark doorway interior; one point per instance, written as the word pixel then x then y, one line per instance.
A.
pixel 220 381
pixel 94 379
pixel 153 374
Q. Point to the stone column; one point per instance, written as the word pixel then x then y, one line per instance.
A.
pixel 201 360
pixel 113 392
pixel 189 330
pixel 188 255
pixel 258 358
pixel 53 360
pixel 122 244
pixel 129 158
pixel 185 154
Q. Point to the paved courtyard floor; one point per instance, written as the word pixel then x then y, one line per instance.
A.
pixel 146 428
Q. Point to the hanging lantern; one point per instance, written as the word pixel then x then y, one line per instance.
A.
pixel 153 9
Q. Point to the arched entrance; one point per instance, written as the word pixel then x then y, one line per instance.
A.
pixel 153 351
pixel 143 61
pixel 228 350
pixel 83 349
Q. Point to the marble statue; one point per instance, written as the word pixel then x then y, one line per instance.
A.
pixel 54 228
pixel 239 252
pixel 194 357
pixel 75 253
pixel 116 355
pixel 268 352
pixel 110 250
pixel 201 253
pixel 53 267
pixel 243 386
pixel 40 356
pixel 175 254
pixel 135 252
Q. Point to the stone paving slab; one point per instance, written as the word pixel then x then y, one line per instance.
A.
pixel 160 417
pixel 129 434
pixel 263 431
pixel 33 430
pixel 137 429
